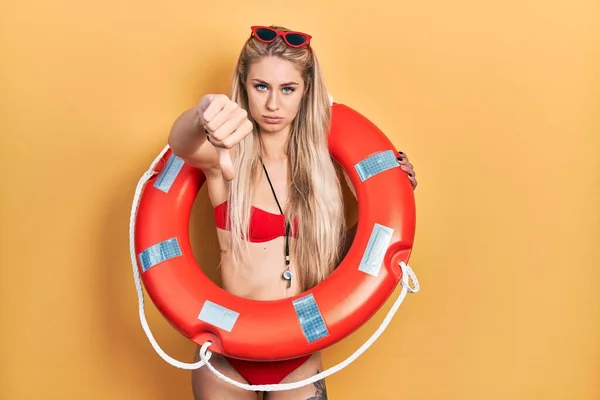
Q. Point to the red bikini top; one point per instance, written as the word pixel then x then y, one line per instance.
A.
pixel 264 225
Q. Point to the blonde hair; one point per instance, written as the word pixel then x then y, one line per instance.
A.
pixel 314 194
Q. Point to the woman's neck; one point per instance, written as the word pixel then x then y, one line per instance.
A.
pixel 274 145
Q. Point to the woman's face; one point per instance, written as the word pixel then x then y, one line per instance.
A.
pixel 275 88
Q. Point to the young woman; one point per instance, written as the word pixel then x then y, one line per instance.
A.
pixel 275 191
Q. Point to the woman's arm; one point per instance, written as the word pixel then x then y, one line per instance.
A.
pixel 187 140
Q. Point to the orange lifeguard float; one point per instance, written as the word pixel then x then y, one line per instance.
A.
pixel 293 327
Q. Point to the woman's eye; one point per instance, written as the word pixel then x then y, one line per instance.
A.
pixel 288 89
pixel 260 86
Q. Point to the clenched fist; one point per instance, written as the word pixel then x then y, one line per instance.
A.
pixel 225 124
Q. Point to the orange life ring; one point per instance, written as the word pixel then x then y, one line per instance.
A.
pixel 297 326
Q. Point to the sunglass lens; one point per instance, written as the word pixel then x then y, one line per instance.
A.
pixel 265 34
pixel 295 39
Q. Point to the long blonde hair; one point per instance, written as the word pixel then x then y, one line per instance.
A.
pixel 315 196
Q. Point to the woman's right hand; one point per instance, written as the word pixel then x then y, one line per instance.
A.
pixel 225 124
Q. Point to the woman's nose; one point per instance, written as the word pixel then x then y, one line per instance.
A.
pixel 273 102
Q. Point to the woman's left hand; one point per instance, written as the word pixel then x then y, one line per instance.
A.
pixel 405 165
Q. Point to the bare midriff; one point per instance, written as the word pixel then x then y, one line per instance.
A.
pixel 259 275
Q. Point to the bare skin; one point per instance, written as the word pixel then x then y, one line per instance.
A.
pixel 275 88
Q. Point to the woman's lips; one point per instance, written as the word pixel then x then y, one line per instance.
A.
pixel 271 119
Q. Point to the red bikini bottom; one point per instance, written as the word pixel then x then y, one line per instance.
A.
pixel 265 372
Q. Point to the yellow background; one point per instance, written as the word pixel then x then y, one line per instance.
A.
pixel 496 104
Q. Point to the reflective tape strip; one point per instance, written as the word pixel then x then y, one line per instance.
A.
pixel 311 320
pixel 375 164
pixel 379 241
pixel 159 252
pixel 218 316
pixel 165 180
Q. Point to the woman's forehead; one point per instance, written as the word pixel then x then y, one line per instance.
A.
pixel 275 71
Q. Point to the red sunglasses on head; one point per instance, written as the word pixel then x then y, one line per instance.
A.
pixel 267 34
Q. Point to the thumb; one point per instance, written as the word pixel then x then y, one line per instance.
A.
pixel 225 163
